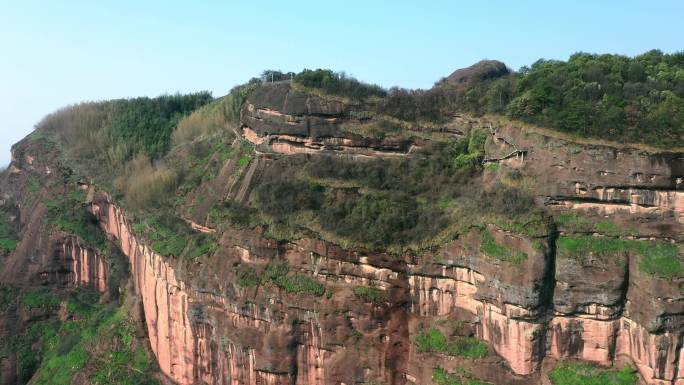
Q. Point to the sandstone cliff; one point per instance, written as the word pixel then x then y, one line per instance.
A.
pixel 311 309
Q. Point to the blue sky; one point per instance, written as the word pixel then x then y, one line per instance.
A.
pixel 55 53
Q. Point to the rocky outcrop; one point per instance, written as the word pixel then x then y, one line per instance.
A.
pixel 480 71
pixel 279 119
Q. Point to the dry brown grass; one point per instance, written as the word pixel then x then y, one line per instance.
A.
pixel 145 184
pixel 81 126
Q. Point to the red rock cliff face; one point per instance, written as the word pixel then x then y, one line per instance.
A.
pixel 188 351
pixel 79 265
pixel 205 328
pixel 200 334
pixel 164 299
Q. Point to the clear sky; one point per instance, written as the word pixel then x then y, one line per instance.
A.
pixel 55 53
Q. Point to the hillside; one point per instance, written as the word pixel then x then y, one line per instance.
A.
pixel 501 227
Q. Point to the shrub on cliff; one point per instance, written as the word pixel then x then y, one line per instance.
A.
pixel 338 83
pixel 434 341
pixel 370 294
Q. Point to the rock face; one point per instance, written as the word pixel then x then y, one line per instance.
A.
pixel 78 265
pixel 282 120
pixel 199 334
pixel 206 327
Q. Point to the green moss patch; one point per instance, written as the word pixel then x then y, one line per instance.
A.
pixel 433 340
pixel 657 258
pixel 495 250
pixel 575 223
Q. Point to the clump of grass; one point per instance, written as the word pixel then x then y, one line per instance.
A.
pixel 467 347
pixel 369 294
pixel 492 249
pixel 433 340
pixel 661 259
pixel 248 278
pixel 587 374
pixel 145 184
pixel 492 167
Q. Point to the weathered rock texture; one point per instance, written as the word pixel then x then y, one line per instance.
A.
pixel 204 327
pixel 213 331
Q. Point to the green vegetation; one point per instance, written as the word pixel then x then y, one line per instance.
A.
pixel 587 374
pixel 231 213
pixel 606 96
pixel 292 283
pixel 442 377
pixel 244 161
pixel 336 83
pixel 68 212
pixel 575 223
pixel 401 203
pixel 96 340
pixel 33 184
pixel 79 344
pixel 8 296
pixel 370 294
pixel 472 157
pixel 172 237
pixel 117 130
pixel 660 259
pixel 249 278
pixel 40 299
pixel 9 238
pixel 432 340
pixel 627 99
pixel 492 249
pixel 279 275
pixel 657 258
